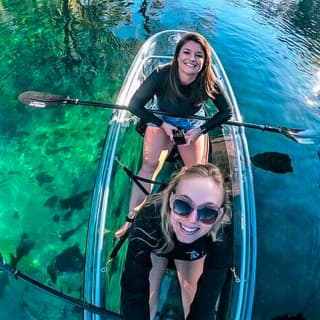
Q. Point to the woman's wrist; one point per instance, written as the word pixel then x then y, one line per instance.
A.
pixel 202 130
pixel 130 220
pixel 131 216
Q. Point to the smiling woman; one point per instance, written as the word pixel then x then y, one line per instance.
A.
pixel 178 227
pixel 181 87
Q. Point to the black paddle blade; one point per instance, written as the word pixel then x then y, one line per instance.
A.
pixel 39 99
pixel 273 161
pixel 307 136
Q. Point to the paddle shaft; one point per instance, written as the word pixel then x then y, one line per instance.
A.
pixel 120 107
pixel 119 244
pixel 42 100
pixel 76 302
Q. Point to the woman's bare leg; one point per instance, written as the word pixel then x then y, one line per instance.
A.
pixel 196 152
pixel 156 143
pixel 189 273
pixel 159 266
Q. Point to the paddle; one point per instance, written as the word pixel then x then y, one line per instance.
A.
pixel 76 302
pixel 43 100
pixel 119 244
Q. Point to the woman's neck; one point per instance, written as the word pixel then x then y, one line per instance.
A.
pixel 185 79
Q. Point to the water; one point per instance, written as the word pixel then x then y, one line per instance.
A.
pixel 49 158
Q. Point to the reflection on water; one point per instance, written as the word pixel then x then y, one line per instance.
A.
pixel 83 49
pixel 298 18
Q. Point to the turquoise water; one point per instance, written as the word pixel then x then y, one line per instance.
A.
pixel 49 158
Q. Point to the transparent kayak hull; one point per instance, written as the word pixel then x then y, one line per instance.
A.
pixel 111 195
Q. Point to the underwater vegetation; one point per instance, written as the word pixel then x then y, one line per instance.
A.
pixel 24 247
pixel 69 260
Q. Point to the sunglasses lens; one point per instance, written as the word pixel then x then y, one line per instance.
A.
pixel 181 207
pixel 207 215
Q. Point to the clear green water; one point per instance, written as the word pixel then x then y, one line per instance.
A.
pixel 49 158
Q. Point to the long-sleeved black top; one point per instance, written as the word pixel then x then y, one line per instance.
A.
pixel 154 86
pixel 146 236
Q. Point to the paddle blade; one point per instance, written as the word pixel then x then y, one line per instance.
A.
pixel 39 99
pixel 307 136
pixel 273 161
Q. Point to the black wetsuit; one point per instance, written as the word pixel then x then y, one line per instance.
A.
pixel 154 85
pixel 146 236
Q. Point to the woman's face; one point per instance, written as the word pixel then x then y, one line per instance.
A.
pixel 199 192
pixel 190 59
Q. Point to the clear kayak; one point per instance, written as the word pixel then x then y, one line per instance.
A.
pixel 228 150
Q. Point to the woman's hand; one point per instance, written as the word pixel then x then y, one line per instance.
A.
pixel 192 135
pixel 168 129
pixel 122 230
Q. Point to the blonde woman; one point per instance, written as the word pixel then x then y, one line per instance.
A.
pixel 180 225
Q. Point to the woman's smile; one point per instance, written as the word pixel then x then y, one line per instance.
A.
pixel 187 229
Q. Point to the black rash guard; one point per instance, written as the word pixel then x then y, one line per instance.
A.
pixel 146 236
pixel 154 86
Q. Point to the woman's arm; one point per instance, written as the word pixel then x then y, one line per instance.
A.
pixel 211 282
pixel 145 93
pixel 135 286
pixel 224 106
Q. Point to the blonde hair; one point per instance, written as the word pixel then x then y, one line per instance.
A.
pixel 163 198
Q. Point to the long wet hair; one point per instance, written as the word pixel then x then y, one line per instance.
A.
pixel 204 85
pixel 199 170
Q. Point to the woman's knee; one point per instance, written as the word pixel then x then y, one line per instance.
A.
pixel 194 154
pixel 149 166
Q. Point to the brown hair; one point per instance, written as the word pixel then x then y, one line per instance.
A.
pixel 204 85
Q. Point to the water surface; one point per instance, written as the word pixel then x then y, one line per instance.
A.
pixel 49 158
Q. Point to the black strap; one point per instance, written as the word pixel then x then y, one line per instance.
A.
pixel 136 179
pixel 129 219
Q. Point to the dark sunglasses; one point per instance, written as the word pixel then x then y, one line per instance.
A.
pixel 205 214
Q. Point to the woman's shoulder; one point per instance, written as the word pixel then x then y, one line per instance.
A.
pixel 221 251
pixel 159 75
pixel 164 67
pixel 147 228
pixel 162 70
pixel 149 216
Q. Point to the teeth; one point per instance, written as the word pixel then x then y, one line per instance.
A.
pixel 189 229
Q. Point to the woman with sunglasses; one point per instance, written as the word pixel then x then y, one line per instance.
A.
pixel 179 225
